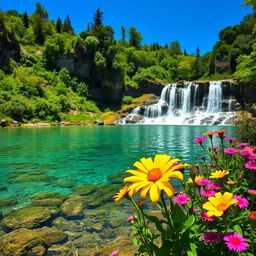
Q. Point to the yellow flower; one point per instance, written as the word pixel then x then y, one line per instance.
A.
pixel 153 176
pixel 218 204
pixel 219 174
pixel 197 178
pixel 230 182
pixel 123 192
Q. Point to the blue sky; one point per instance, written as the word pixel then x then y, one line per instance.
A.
pixel 191 22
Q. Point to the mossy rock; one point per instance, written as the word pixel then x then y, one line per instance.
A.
pixel 73 206
pixel 27 177
pixel 29 217
pixel 7 201
pixel 85 189
pixel 117 178
pixel 67 184
pixel 26 242
pixel 49 195
pixel 48 202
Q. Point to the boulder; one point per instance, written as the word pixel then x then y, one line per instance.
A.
pixel 73 206
pixel 7 201
pixel 3 123
pixel 29 217
pixel 26 242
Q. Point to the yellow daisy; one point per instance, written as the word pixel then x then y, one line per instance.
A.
pixel 197 178
pixel 219 174
pixel 153 176
pixel 218 204
pixel 123 192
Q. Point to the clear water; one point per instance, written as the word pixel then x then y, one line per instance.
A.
pixel 87 154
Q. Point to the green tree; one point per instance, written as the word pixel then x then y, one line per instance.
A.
pixel 41 12
pixel 97 23
pixel 175 48
pixel 67 26
pixel 123 32
pixel 135 37
pixel 25 20
pixel 38 29
pixel 197 63
pixel 59 25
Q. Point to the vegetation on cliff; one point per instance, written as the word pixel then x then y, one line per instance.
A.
pixel 57 68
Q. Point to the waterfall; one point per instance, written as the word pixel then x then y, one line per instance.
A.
pixel 186 104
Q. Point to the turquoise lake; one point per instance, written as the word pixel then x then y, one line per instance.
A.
pixel 85 154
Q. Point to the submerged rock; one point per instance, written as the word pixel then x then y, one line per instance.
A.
pixel 85 189
pixel 7 201
pixel 33 176
pixel 25 242
pixel 49 195
pixel 48 202
pixel 29 217
pixel 73 206
pixel 57 250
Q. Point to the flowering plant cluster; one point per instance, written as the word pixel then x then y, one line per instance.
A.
pixel 214 214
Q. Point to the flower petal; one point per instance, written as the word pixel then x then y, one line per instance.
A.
pixel 161 160
pixel 137 173
pixel 166 186
pixel 148 163
pixel 140 166
pixel 133 179
pixel 170 164
pixel 154 193
pixel 175 174
pixel 144 190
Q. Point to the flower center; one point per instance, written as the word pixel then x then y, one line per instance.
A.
pixel 221 207
pixel 154 174
pixel 235 241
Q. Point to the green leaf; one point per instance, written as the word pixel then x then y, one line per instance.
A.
pixel 192 251
pixel 178 216
pixel 157 222
pixel 238 230
pixel 188 223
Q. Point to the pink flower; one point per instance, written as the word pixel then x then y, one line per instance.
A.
pixel 211 237
pixel 230 150
pixel 207 218
pixel 250 165
pixel 202 157
pixel 114 253
pixel 242 202
pixel 210 165
pixel 242 144
pixel 214 186
pixel 199 139
pixel 252 156
pixel 245 152
pixel 235 242
pixel 252 191
pixel 181 199
pixel 218 136
pixel 230 139
pixel 203 182
pixel 207 192
pixel 196 210
pixel 130 218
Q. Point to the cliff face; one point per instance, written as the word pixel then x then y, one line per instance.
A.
pixel 9 46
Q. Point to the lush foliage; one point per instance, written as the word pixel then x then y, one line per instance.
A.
pixel 215 212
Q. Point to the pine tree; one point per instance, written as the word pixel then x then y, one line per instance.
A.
pixel 123 31
pixel 38 29
pixel 197 63
pixel 59 25
pixel 88 27
pixel 185 52
pixel 67 27
pixel 135 37
pixel 25 20
pixel 97 25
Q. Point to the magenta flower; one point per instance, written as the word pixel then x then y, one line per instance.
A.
pixel 230 139
pixel 207 218
pixel 250 165
pixel 203 182
pixel 211 237
pixel 202 157
pixel 207 192
pixel 245 152
pixel 210 165
pixel 196 210
pixel 181 199
pixel 242 144
pixel 252 215
pixel 199 139
pixel 230 150
pixel 214 186
pixel 252 191
pixel 218 136
pixel 252 156
pixel 130 218
pixel 235 242
pixel 242 202
pixel 215 149
pixel 114 253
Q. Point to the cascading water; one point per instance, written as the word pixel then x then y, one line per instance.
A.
pixel 182 105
